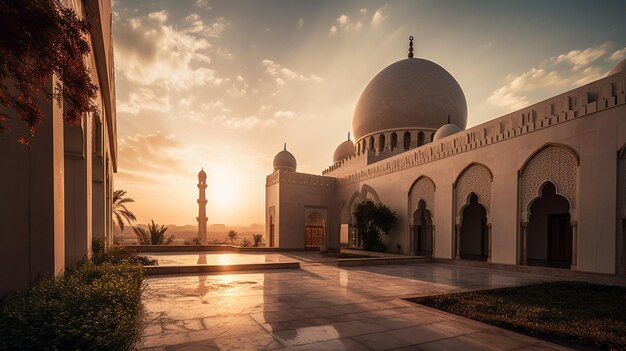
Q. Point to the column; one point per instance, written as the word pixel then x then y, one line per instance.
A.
pixel 574 224
pixel 524 243
pixel 458 242
pixel 432 231
pixel 78 195
pixel 488 242
pixel 32 244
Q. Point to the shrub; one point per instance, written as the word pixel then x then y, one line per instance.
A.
pixel 258 239
pixel 245 242
pixel 92 306
pixel 154 235
pixel 118 254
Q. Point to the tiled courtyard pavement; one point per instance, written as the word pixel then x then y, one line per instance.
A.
pixel 324 307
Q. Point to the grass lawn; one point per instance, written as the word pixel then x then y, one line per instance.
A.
pixel 573 312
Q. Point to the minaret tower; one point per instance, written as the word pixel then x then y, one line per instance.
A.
pixel 202 208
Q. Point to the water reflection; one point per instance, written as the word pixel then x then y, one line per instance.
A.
pixel 202 259
pixel 184 258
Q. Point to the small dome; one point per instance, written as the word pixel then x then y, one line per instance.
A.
pixel 202 175
pixel 411 93
pixel 343 151
pixel 285 160
pixel 446 130
pixel 620 67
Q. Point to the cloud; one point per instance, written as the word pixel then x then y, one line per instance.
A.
pixel 212 30
pixel 300 23
pixel 151 52
pixel 353 23
pixel 250 122
pixel 561 72
pixel 378 17
pixel 345 24
pixel 143 99
pixel 203 4
pixel 283 73
pixel 149 153
pixel 284 114
pixel 618 55
pixel 581 58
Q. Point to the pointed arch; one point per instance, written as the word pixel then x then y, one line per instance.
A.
pixel 423 188
pixel 475 178
pixel 552 162
pixel 565 148
pixel 469 166
pixel 360 196
pixel 366 190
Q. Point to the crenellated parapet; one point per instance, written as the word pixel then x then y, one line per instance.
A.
pixel 581 102
pixel 281 176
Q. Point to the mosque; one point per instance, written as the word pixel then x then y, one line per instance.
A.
pixel 542 186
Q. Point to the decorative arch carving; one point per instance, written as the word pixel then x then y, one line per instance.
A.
pixel 555 163
pixel 422 189
pixel 475 178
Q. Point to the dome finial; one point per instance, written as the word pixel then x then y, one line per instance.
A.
pixel 411 46
pixel 348 135
pixel 285 146
pixel 448 118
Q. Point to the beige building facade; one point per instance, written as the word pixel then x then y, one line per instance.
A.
pixel 541 186
pixel 57 193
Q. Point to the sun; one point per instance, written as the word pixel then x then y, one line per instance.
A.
pixel 223 190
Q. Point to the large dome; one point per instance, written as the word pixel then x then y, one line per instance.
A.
pixel 409 94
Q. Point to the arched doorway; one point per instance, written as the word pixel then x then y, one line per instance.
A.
pixel 550 230
pixel 315 230
pixel 422 231
pixel 474 241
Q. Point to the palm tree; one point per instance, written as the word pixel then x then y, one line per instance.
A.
pixel 155 235
pixel 119 208
pixel 232 235
pixel 258 238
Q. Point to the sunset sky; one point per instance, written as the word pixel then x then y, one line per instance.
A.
pixel 222 84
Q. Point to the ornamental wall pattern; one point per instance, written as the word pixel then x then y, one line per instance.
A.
pixel 422 189
pixel 475 179
pixel 555 163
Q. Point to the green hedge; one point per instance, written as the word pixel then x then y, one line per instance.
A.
pixel 93 306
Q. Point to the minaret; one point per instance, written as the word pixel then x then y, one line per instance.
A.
pixel 202 208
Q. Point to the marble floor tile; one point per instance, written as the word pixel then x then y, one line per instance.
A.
pixel 321 307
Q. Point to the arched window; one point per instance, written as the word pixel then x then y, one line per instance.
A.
pixel 363 145
pixel 420 138
pixel 407 140
pixel 372 146
pixel 381 143
pixel 394 140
